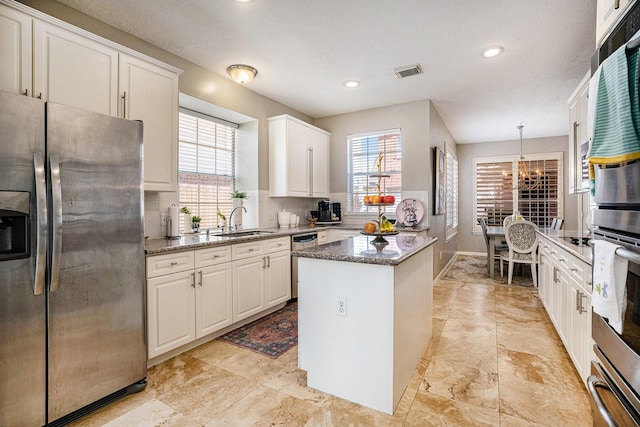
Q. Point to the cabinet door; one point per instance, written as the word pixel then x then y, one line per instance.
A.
pixel 277 278
pixel 150 93
pixel 319 143
pixel 248 287
pixel 299 158
pixel 579 335
pixel 73 70
pixel 213 298
pixel 170 312
pixel 543 279
pixel 15 51
pixel 607 13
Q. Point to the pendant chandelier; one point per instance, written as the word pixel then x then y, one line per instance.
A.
pixel 525 180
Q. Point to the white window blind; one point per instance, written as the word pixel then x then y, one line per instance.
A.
pixel 206 174
pixel 495 197
pixel 452 194
pixel 363 156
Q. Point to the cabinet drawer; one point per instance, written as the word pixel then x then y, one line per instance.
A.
pixel 170 263
pixel 212 256
pixel 246 250
pixel 279 244
pixel 323 237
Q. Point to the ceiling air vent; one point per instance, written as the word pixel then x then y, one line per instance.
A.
pixel 403 72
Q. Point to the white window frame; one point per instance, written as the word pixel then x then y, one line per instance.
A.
pixel 222 200
pixel 451 212
pixel 354 199
pixel 558 156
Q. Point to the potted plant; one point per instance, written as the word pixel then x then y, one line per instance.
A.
pixel 186 217
pixel 195 223
pixel 237 200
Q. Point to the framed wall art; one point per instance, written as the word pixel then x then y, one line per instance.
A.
pixel 438 181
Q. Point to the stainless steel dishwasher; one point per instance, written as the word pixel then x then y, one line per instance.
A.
pixel 300 241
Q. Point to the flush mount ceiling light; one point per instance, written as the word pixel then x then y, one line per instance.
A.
pixel 492 51
pixel 352 83
pixel 241 73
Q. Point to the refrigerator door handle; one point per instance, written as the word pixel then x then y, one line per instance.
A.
pixel 41 225
pixel 56 207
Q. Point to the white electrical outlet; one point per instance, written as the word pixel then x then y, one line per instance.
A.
pixel 163 218
pixel 341 306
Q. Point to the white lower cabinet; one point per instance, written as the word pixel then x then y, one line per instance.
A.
pixel 565 292
pixel 192 294
pixel 262 277
pixel 192 303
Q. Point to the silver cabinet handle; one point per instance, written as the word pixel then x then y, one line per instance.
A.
pixel 193 279
pixel 39 95
pixel 310 168
pixel 555 274
pixel 174 263
pixel 573 269
pixel 216 256
pixel 268 261
pixel 616 4
pixel 592 383
pixel 56 207
pixel 41 225
pixel 264 262
pixel 578 300
pixel 200 278
pixel 251 249
pixel 581 308
pixel 124 105
pixel 26 92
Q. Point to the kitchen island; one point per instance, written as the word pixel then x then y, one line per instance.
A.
pixel 365 316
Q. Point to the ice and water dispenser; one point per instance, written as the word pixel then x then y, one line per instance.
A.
pixel 14 225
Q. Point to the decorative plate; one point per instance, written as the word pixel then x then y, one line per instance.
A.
pixel 409 212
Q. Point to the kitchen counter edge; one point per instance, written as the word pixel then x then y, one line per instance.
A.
pixel 559 238
pixel 200 241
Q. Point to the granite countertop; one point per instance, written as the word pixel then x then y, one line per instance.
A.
pixel 201 240
pixel 560 237
pixel 360 250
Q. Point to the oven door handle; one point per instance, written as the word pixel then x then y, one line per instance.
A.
pixel 628 255
pixel 592 383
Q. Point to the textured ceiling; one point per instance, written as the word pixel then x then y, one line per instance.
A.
pixel 305 50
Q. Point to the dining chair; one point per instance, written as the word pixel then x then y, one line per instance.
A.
pixel 522 240
pixel 499 246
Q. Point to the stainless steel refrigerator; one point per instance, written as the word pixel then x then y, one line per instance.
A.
pixel 72 328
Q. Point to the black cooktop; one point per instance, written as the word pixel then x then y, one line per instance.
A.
pixel 576 240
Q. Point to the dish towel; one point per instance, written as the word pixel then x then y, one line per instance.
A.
pixel 609 297
pixel 616 128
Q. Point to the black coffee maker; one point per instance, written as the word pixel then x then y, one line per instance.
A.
pixel 324 211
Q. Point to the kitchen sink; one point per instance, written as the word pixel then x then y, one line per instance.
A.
pixel 244 233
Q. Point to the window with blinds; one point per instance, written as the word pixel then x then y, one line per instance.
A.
pixel 206 175
pixel 363 156
pixel 452 194
pixel 496 197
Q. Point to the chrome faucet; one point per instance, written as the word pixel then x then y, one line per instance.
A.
pixel 231 216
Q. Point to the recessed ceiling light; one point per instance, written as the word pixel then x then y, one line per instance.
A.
pixel 492 51
pixel 352 83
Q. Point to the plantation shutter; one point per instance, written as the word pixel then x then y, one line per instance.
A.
pixel 206 174
pixel 363 157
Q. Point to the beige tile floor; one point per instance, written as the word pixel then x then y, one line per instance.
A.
pixel 495 360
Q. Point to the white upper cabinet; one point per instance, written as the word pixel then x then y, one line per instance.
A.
pixel 579 138
pixel 15 51
pixel 150 93
pixel 72 70
pixel 46 58
pixel 298 158
pixel 607 13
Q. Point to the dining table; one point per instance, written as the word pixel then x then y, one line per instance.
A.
pixel 494 233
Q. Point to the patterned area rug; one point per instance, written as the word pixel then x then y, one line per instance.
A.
pixel 272 335
pixel 469 268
